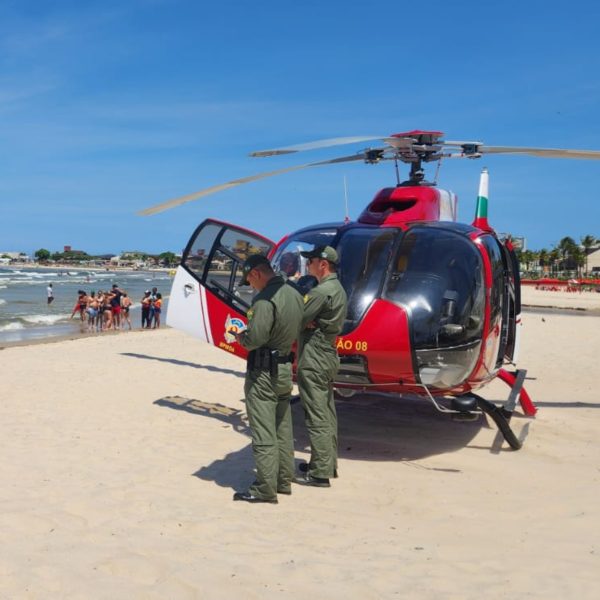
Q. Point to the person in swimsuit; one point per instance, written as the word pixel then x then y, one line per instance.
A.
pixel 125 306
pixel 80 305
pixel 146 303
pixel 157 310
pixel 105 311
pixel 115 305
pixel 92 311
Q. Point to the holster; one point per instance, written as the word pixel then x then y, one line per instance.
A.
pixel 265 359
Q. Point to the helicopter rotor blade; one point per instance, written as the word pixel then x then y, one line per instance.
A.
pixel 224 186
pixel 395 142
pixel 543 152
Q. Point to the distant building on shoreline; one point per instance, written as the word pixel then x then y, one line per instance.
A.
pixel 8 257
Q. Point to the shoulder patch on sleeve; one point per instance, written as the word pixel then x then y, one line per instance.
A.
pixel 250 314
pixel 306 298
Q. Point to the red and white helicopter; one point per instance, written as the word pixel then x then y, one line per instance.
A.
pixel 433 304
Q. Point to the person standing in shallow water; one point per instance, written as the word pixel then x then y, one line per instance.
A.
pixel 50 293
pixel 146 303
pixel 157 304
pixel 125 307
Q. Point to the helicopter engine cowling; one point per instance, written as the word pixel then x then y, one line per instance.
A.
pixel 404 204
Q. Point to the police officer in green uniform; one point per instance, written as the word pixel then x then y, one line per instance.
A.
pixel 318 363
pixel 274 321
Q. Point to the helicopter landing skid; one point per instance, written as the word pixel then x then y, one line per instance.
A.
pixel 501 417
pixel 468 406
pixel 515 380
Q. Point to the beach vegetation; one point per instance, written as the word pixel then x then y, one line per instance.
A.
pixel 588 242
pixel 168 259
pixel 71 256
pixel 566 259
pixel 42 254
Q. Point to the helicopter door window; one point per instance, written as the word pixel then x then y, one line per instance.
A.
pixel 197 252
pixel 242 244
pixel 215 256
pixel 223 277
pixel 225 269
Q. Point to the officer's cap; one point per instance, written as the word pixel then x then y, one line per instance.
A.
pixel 250 263
pixel 322 252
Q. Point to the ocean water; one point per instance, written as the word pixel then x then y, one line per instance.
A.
pixel 24 310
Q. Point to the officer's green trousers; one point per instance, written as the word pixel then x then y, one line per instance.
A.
pixel 270 416
pixel 317 368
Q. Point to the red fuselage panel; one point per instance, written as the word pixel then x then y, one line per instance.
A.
pixel 383 338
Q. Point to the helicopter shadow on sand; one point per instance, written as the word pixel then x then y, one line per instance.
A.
pixel 372 427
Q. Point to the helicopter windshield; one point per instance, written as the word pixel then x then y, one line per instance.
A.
pixel 437 277
pixel 364 255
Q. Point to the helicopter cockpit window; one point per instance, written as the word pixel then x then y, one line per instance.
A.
pixel 364 257
pixel 437 276
pixel 291 264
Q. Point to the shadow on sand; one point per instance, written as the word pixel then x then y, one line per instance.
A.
pixel 371 427
pixel 183 363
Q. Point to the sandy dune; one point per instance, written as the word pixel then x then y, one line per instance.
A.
pixel 120 455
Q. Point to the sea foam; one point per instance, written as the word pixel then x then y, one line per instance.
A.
pixel 44 319
pixel 11 326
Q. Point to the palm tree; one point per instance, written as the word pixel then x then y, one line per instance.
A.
pixel 587 242
pixel 579 258
pixel 544 258
pixel 566 247
pixel 554 258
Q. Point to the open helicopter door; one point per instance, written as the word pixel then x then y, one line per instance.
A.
pixel 513 302
pixel 206 299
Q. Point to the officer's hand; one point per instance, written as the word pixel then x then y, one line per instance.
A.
pixel 311 325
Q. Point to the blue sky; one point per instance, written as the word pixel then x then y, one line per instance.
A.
pixel 110 107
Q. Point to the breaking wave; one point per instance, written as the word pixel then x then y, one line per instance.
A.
pixel 43 319
pixel 14 326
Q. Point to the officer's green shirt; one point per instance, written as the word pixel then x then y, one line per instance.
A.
pixel 274 317
pixel 325 304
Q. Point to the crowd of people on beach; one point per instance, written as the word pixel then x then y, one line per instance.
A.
pixel 110 309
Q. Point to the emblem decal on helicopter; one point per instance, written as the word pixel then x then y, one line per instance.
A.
pixel 233 325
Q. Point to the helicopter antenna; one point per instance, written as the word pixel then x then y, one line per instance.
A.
pixel 347 217
pixel 397 171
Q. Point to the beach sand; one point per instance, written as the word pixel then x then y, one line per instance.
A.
pixel 120 455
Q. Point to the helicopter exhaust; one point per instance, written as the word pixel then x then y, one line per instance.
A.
pixel 481 210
